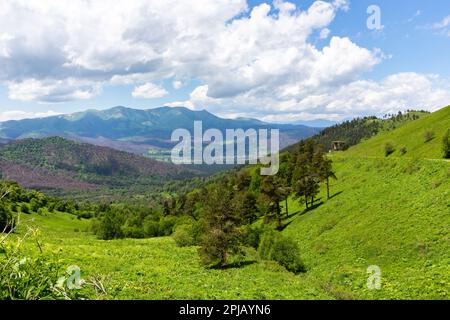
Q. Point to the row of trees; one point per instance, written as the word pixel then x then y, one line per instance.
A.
pixel 14 199
pixel 301 174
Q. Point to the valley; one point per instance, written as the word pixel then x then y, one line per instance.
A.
pixel 387 211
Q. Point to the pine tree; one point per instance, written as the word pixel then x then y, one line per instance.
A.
pixel 306 177
pixel 446 145
pixel 324 167
pixel 273 193
pixel 285 174
pixel 222 227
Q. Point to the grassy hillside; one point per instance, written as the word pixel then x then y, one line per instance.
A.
pixel 156 268
pixel 411 136
pixel 393 213
pixel 354 131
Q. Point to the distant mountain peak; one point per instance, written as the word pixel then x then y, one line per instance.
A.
pixel 138 130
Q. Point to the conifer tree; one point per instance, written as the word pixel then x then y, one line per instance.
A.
pixel 446 144
pixel 222 227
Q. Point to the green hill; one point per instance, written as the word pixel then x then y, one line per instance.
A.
pixel 58 164
pixel 352 132
pixel 393 213
pixel 411 136
pixel 390 212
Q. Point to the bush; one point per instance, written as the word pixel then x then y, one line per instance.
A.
pixel 109 226
pixel 428 136
pixel 151 228
pixel 166 226
pixel 275 247
pixel 389 149
pixel 24 208
pixel 6 218
pixel 184 235
pixel 403 150
pixel 251 236
pixel 25 278
pixel 133 232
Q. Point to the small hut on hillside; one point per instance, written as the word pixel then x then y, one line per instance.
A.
pixel 338 145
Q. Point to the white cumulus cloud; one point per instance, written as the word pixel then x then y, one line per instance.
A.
pixel 259 61
pixel 149 91
pixel 18 115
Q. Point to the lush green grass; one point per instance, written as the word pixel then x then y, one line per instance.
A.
pixel 158 269
pixel 411 136
pixel 393 213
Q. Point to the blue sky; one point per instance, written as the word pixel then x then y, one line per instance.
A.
pixel 229 57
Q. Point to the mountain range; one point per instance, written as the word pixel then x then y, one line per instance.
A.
pixel 144 132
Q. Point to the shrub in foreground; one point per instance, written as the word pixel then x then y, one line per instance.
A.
pixel 389 149
pixel 276 247
pixel 26 278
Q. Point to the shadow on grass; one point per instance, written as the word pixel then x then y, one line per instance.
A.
pixel 335 195
pixel 236 265
pixel 284 226
pixel 292 215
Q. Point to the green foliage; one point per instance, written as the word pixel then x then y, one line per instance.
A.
pixel 389 149
pixel 272 193
pixel 222 222
pixel 409 135
pixel 403 150
pixel 352 132
pixel 398 221
pixel 6 217
pixel 24 208
pixel 251 235
pixel 276 247
pixel 311 167
pixel 428 136
pixel 403 229
pixel 109 226
pixel 184 235
pixel 446 144
pixel 29 278
pixel 151 228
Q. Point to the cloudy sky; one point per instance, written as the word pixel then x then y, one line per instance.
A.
pixel 272 60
